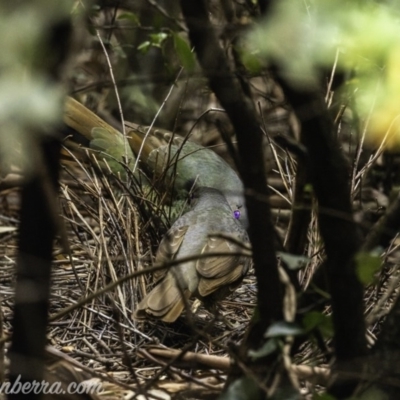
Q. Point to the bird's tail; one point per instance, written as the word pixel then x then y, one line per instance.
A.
pixel 82 120
pixel 165 302
pixel 114 147
pixel 109 143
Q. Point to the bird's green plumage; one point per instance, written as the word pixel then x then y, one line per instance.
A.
pixel 114 149
pixel 182 163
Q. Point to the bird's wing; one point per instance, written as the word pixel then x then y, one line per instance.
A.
pixel 219 271
pixel 167 300
pixel 169 247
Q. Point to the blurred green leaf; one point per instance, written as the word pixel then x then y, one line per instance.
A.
pixel 367 266
pixel 251 61
pixel 30 105
pixel 283 328
pixel 242 389
pixel 186 57
pixel 157 39
pixel 323 322
pixel 308 188
pixel 321 292
pixel 302 38
pixel 267 348
pixel 130 17
pixel 294 261
pixel 305 38
pixel 144 47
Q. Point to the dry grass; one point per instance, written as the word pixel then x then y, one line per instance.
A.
pixel 111 236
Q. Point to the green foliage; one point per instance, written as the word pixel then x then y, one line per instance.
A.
pixel 293 261
pixel 318 320
pixel 274 334
pixel 242 389
pixel 155 40
pixel 283 328
pixel 130 16
pixel 185 55
pixel 305 38
pixel 251 59
pixel 266 349
pixel 29 104
pixel 181 46
pixel 308 188
pixel 368 264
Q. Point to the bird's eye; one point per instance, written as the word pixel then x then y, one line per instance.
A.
pixel 236 214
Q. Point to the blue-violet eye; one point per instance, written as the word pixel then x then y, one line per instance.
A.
pixel 236 214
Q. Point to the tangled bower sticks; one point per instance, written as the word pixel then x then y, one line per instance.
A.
pixel 109 238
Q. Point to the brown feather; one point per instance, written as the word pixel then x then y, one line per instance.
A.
pixel 164 302
pixel 208 286
pixel 168 249
pixel 215 267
